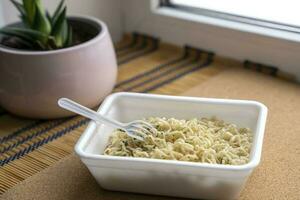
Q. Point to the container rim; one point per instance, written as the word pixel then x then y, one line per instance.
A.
pixel 82 142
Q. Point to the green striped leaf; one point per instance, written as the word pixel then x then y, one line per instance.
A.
pixel 30 9
pixel 49 17
pixel 24 33
pixel 69 41
pixel 22 12
pixel 40 44
pixel 19 7
pixel 60 29
pixel 41 23
pixel 57 11
pixel 51 43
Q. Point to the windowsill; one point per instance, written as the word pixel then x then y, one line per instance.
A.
pixel 171 12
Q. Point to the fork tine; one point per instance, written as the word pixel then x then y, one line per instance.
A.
pixel 145 124
pixel 131 134
pixel 137 132
pixel 141 127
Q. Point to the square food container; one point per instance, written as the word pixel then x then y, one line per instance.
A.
pixel 169 177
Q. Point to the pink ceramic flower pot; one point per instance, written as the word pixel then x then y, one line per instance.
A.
pixel 31 82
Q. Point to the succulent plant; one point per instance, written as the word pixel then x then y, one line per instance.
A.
pixel 40 30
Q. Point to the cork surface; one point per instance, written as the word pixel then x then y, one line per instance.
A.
pixel 277 177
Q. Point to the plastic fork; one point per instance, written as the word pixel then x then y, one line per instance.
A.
pixel 137 129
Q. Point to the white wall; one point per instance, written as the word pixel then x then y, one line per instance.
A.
pixel 107 10
pixel 227 42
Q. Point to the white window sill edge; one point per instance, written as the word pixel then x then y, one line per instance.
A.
pixel 171 12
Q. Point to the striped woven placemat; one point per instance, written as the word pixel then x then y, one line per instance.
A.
pixel 145 65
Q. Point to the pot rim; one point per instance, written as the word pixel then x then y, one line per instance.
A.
pixel 102 32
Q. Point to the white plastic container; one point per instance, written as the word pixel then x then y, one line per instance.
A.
pixel 168 177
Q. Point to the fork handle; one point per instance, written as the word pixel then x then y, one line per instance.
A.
pixel 70 105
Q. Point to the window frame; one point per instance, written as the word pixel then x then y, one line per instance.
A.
pixel 232 17
pixel 225 20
